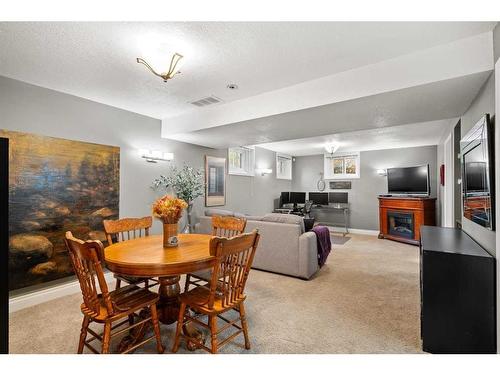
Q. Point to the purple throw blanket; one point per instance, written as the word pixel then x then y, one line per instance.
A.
pixel 324 243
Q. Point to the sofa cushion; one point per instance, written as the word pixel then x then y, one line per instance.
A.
pixel 239 215
pixel 218 212
pixel 285 219
pixel 254 218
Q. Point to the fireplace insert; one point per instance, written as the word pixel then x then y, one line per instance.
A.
pixel 401 224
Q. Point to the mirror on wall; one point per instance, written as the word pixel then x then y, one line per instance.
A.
pixel 477 174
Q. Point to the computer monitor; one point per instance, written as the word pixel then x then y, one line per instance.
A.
pixel 338 197
pixel 297 197
pixel 319 198
pixel 285 197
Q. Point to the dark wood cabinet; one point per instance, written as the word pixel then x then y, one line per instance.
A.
pixel 458 293
pixel 411 212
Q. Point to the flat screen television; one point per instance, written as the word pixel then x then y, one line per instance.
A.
pixel 297 197
pixel 338 197
pixel 285 197
pixel 319 198
pixel 409 181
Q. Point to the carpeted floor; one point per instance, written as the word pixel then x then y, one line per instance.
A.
pixel 364 300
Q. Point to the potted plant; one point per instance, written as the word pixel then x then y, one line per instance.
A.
pixel 169 210
pixel 188 183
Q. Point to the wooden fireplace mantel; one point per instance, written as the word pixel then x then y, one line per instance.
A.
pixel 422 208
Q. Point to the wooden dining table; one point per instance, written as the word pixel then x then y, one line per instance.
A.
pixel 146 257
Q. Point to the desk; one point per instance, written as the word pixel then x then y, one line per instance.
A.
pixel 332 207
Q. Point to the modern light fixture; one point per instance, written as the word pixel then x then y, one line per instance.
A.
pixel 172 70
pixel 382 172
pixel 264 171
pixel 155 156
pixel 331 147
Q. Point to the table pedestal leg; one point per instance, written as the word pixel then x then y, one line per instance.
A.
pixel 168 308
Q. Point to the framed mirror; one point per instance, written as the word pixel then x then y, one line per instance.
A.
pixel 477 174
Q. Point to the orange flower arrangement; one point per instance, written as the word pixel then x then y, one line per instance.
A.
pixel 169 209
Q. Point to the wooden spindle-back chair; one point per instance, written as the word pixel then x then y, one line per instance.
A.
pixel 105 307
pixel 234 257
pixel 124 230
pixel 222 226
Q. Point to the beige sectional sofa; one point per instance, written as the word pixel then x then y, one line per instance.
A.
pixel 283 247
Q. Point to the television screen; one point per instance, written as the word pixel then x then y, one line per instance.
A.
pixel 410 180
pixel 476 172
pixel 338 197
pixel 319 198
pixel 285 197
pixel 297 197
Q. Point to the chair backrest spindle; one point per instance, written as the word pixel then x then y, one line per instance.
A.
pixel 132 227
pixel 234 259
pixel 87 258
pixel 227 226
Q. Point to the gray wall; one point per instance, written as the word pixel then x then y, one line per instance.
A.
pixel 496 41
pixel 363 195
pixel 34 109
pixel 256 195
pixel 483 103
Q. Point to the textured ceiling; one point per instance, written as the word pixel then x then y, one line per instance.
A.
pixel 435 101
pixel 412 135
pixel 97 60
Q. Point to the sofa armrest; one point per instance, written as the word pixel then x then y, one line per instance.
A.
pixel 308 255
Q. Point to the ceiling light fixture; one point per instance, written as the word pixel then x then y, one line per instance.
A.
pixel 172 70
pixel 232 86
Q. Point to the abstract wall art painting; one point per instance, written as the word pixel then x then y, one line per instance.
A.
pixel 56 185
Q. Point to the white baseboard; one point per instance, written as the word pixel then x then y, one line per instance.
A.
pixel 31 299
pixel 369 232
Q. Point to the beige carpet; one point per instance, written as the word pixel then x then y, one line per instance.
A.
pixel 364 300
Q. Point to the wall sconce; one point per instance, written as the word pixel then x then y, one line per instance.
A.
pixel 264 171
pixel 155 155
pixel 382 172
pixel 331 148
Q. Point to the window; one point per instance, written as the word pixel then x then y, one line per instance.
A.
pixel 283 167
pixel 342 166
pixel 241 161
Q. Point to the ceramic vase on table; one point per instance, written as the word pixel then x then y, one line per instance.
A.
pixel 170 232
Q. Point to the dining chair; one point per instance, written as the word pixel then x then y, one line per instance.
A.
pixel 222 226
pixel 104 307
pixel 124 230
pixel 234 257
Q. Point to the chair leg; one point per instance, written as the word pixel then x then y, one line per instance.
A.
pixel 156 328
pixel 106 337
pixel 186 285
pixel 212 322
pixel 146 284
pixel 118 283
pixel 131 319
pixel 180 322
pixel 83 333
pixel 244 325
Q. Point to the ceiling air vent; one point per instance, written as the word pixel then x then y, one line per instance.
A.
pixel 209 100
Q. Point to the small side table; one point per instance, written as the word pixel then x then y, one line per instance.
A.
pixel 308 223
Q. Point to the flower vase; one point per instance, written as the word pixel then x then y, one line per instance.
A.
pixel 170 232
pixel 189 211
